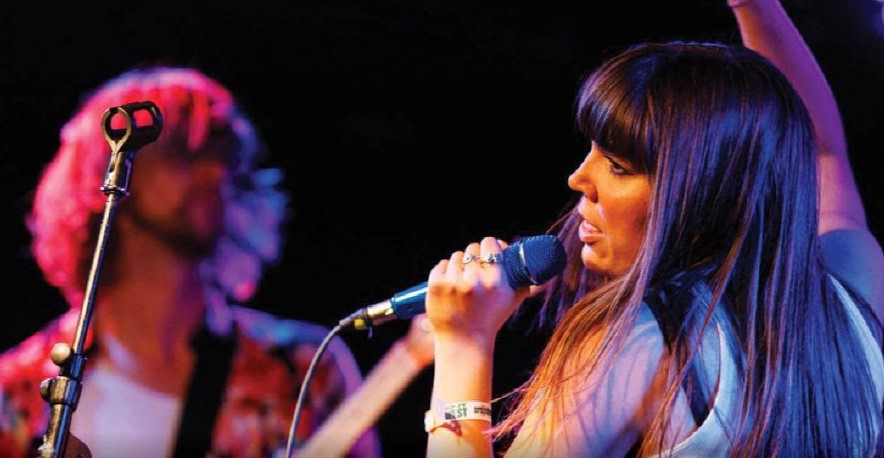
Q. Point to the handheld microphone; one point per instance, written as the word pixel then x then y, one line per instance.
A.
pixel 529 261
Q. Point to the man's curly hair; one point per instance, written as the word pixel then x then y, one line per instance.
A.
pixel 68 204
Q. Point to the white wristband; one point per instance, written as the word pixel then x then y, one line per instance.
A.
pixel 451 414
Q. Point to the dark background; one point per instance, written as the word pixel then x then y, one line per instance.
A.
pixel 406 129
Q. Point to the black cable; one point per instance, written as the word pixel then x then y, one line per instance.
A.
pixel 296 417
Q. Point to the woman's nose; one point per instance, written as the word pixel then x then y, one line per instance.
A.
pixel 580 180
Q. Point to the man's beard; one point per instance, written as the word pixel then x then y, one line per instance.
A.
pixel 177 235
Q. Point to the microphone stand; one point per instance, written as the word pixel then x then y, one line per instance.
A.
pixel 63 392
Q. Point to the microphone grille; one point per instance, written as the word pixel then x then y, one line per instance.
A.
pixel 533 260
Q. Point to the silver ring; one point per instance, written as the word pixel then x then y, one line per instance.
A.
pixel 468 258
pixel 490 258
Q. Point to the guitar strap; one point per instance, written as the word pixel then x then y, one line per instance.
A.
pixel 214 355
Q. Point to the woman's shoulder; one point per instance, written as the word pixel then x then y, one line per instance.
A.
pixel 611 404
pixel 855 257
pixel 631 362
pixel 642 339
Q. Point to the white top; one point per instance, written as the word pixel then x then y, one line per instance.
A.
pixel 711 439
pixel 142 425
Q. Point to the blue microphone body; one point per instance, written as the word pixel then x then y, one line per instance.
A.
pixel 529 261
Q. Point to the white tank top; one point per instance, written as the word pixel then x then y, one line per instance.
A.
pixel 711 439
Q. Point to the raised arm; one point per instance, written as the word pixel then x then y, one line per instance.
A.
pixel 765 27
pixel 849 247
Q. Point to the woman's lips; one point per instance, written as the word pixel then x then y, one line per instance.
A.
pixel 589 233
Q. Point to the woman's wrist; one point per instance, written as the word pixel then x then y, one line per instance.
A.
pixel 463 345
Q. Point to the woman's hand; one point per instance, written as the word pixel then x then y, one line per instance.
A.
pixel 468 297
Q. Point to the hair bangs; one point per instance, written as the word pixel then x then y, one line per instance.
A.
pixel 614 113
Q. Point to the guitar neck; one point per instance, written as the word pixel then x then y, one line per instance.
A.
pixel 361 409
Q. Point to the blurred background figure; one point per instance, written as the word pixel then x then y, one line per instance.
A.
pixel 176 365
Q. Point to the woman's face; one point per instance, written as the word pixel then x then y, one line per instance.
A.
pixel 614 207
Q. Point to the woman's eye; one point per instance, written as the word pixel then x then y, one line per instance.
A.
pixel 615 168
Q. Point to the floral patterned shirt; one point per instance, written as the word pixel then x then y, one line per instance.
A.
pixel 270 358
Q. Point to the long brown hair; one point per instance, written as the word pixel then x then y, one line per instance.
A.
pixel 730 150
